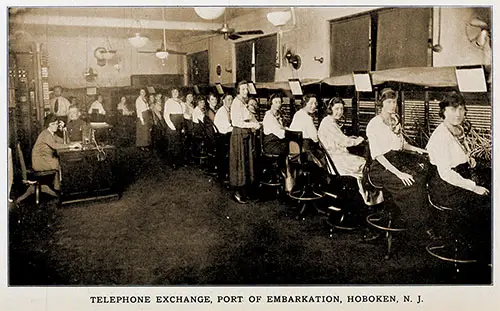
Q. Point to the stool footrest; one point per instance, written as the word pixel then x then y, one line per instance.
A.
pixel 448 252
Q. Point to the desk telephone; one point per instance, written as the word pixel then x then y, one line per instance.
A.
pixel 89 142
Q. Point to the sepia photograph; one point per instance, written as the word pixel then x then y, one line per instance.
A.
pixel 208 146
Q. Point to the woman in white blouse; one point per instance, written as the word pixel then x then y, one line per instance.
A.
pixel 274 131
pixel 198 116
pixel 400 173
pixel 450 182
pixel 242 145
pixel 122 107
pixel 173 113
pixel 303 121
pixel 143 124
pixel 188 124
pixel 336 142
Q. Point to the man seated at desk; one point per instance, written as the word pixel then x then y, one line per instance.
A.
pixel 77 129
pixel 43 156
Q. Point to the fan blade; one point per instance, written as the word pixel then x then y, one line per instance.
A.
pixel 476 22
pixel 249 32
pixel 147 52
pixel 233 36
pixel 175 52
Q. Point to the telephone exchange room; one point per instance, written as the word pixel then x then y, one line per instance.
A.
pixel 250 145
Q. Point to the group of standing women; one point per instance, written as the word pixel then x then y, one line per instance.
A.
pixel 162 124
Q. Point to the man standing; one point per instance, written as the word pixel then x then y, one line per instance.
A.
pixel 59 105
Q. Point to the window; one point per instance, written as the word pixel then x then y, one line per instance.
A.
pixel 382 39
pixel 256 59
pixel 402 38
pixel 348 55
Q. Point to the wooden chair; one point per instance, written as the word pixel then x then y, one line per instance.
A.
pixel 35 180
pixel 341 190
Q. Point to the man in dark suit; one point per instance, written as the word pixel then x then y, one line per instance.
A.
pixel 77 129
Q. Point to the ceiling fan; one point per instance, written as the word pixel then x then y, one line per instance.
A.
pixel 162 52
pixel 477 31
pixel 231 33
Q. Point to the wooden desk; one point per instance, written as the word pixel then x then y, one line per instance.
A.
pixel 85 176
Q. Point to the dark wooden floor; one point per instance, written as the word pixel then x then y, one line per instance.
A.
pixel 181 227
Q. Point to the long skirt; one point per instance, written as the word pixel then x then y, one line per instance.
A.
pixel 273 145
pixel 143 131
pixel 159 137
pixel 241 157
pixel 469 216
pixel 188 138
pixel 222 155
pixel 409 201
pixel 47 164
pixel 175 141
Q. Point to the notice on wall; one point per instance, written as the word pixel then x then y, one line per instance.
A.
pixel 91 91
pixel 45 90
pixel 45 72
pixel 471 79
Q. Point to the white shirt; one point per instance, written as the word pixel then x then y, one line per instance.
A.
pixel 240 115
pixel 140 106
pixel 63 106
pixel 303 122
pixel 198 115
pixel 223 120
pixel 446 153
pixel 97 105
pixel 123 107
pixel 271 125
pixel 381 138
pixel 172 107
pixel 332 138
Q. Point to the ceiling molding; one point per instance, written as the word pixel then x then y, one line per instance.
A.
pixel 79 21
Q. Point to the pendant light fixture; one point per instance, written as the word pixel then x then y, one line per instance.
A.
pixel 137 40
pixel 209 12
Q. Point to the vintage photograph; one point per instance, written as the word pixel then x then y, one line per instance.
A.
pixel 239 145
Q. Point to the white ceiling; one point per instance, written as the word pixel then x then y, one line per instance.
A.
pixel 120 22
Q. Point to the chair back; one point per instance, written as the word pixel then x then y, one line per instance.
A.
pixel 295 141
pixel 330 165
pixel 261 141
pixel 24 170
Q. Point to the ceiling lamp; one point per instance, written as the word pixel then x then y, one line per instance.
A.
pixel 137 41
pixel 209 12
pixel 162 55
pixel 279 19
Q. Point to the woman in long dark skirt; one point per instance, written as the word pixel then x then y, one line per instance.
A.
pixel 159 127
pixel 398 167
pixel 451 184
pixel 174 117
pixel 242 146
pixel 143 122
